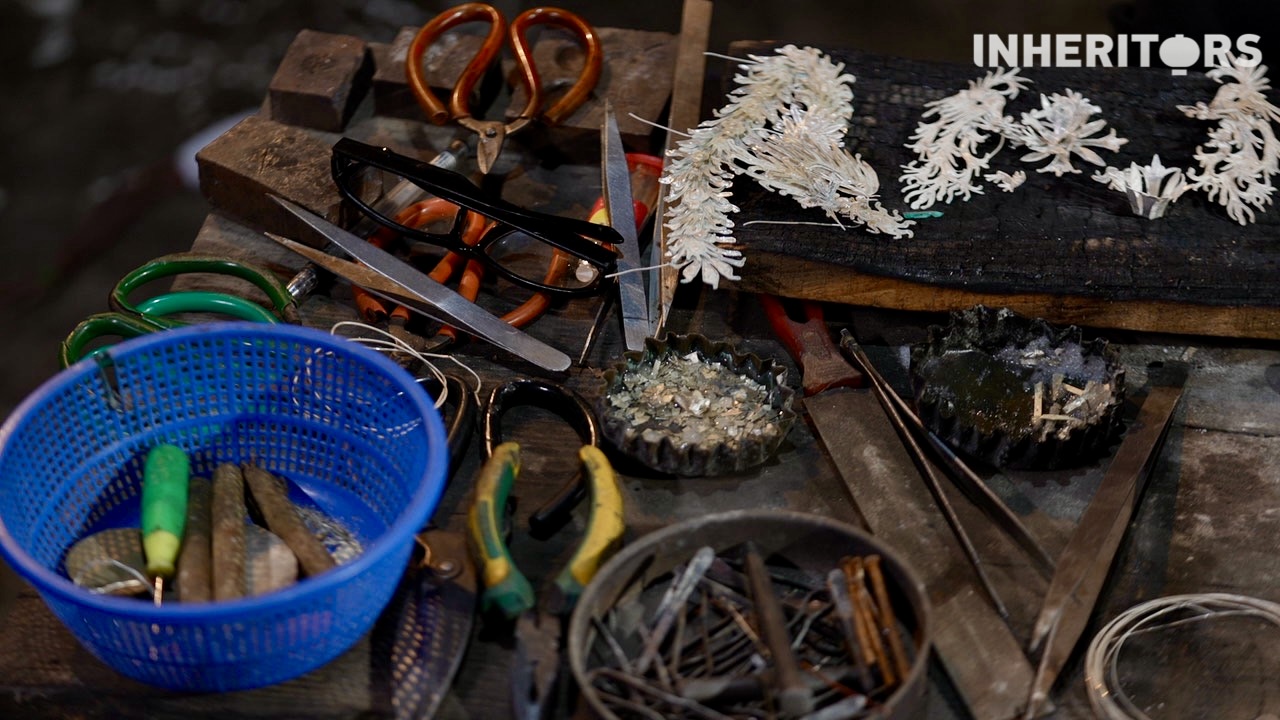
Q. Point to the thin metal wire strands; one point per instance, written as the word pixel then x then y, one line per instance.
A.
pixel 1102 667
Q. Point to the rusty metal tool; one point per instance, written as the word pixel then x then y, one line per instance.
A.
pixel 793 694
pixel 1085 563
pixel 984 660
pixel 492 133
pixel 961 474
pixel 435 601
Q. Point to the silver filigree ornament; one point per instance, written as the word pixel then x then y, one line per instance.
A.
pixel 1005 181
pixel 804 158
pixel 1241 156
pixel 955 148
pixel 1150 188
pixel 798 92
pixel 1060 128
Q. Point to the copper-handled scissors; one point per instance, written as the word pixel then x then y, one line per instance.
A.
pixel 492 133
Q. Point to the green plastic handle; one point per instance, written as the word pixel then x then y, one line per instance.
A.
pixel 505 587
pixel 112 324
pixel 165 477
pixel 154 308
pixel 187 262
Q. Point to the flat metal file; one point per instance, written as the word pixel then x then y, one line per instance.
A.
pixel 1085 563
pixel 444 304
pixel 622 216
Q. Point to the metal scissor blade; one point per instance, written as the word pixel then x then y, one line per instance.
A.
pixel 617 194
pixel 535 671
pixel 447 305
pixel 438 603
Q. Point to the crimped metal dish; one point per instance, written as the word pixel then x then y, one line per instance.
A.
pixel 1017 392
pixel 727 411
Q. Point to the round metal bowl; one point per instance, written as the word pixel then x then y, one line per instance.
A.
pixel 978 381
pixel 811 543
pixel 663 448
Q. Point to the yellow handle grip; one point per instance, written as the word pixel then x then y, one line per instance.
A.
pixel 605 526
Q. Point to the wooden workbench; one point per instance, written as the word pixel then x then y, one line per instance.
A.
pixel 1208 522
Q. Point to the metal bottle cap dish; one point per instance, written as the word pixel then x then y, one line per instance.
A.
pixel 688 406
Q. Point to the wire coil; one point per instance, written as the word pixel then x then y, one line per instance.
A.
pixel 1102 676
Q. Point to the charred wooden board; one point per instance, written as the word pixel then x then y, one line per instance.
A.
pixel 1067 248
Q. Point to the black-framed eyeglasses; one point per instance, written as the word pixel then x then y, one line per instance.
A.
pixel 564 256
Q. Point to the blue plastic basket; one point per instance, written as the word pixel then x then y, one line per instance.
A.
pixel 345 424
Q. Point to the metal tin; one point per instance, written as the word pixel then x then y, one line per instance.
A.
pixel 667 452
pixel 973 385
pixel 811 542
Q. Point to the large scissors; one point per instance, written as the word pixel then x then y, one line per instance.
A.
pixel 130 319
pixel 492 133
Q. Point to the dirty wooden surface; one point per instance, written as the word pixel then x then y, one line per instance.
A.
pixel 1206 522
pixel 1066 248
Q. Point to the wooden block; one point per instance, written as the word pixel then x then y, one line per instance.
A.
pixel 320 81
pixel 443 63
pixel 257 158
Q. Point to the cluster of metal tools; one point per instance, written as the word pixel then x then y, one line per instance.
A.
pixel 733 636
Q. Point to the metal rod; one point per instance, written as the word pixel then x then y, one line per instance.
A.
pixel 935 488
pixel 673 601
pixel 963 476
pixel 794 695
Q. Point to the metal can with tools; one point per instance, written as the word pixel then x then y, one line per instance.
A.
pixel 753 611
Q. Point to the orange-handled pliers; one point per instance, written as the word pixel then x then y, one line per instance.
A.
pixel 422 214
pixel 492 133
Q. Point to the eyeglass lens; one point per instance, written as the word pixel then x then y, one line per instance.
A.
pixel 517 252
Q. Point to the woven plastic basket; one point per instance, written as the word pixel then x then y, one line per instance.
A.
pixel 344 424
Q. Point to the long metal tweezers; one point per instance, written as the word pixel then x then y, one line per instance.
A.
pixel 961 474
pixel 1086 561
pixel 445 305
pixel 922 461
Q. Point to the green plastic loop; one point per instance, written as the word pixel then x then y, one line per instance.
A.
pixel 101 325
pixel 183 263
pixel 157 308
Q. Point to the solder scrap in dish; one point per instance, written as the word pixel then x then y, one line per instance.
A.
pixel 687 406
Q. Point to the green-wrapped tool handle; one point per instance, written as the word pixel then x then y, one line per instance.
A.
pixel 165 481
pixel 506 589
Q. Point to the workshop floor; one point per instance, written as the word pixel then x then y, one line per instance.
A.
pixel 103 100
